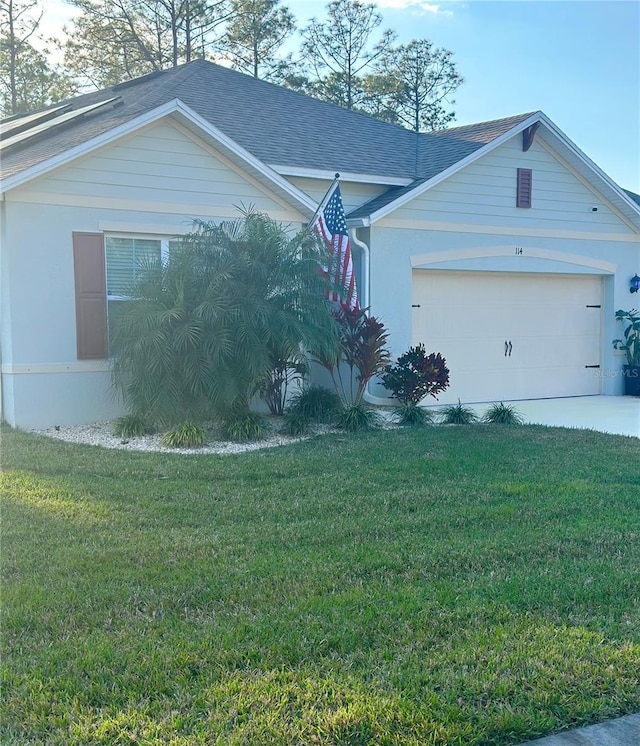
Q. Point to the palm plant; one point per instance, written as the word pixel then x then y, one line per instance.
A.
pixel 200 333
pixel 170 342
pixel 286 367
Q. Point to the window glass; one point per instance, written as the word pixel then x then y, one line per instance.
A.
pixel 125 258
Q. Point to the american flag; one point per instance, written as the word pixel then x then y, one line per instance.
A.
pixel 330 227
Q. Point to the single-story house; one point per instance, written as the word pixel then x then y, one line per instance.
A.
pixel 500 245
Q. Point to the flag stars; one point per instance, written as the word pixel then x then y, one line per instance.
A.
pixel 334 214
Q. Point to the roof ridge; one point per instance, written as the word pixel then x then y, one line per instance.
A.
pixel 500 120
pixel 174 76
pixel 292 92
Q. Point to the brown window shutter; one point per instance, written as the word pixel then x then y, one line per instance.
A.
pixel 91 295
pixel 523 190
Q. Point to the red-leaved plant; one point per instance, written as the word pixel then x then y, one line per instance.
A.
pixel 361 348
pixel 416 375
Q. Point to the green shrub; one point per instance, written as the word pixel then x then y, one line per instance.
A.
pixel 413 415
pixel 131 426
pixel 243 426
pixel 457 414
pixel 295 423
pixel 357 417
pixel 316 403
pixel 186 435
pixel 503 414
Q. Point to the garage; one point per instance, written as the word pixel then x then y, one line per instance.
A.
pixel 508 336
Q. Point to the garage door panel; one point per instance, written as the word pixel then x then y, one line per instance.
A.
pixel 563 321
pixel 546 319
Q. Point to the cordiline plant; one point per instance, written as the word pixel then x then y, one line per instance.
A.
pixel 361 350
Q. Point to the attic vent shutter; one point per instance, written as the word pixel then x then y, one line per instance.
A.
pixel 523 191
pixel 91 295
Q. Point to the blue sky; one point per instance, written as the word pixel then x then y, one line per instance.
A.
pixel 576 60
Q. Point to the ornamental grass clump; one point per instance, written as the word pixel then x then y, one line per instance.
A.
pixel 186 435
pixel 131 426
pixel 503 414
pixel 243 426
pixel 413 415
pixel 295 423
pixel 316 403
pixel 357 417
pixel 458 414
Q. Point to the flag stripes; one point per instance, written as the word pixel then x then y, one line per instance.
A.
pixel 330 229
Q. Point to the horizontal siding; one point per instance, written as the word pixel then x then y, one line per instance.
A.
pixel 353 194
pixel 485 193
pixel 159 164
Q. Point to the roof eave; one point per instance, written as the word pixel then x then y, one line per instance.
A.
pixel 329 175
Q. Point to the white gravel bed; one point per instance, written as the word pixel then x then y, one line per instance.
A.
pixel 101 434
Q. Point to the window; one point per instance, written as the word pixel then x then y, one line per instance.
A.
pixel 126 257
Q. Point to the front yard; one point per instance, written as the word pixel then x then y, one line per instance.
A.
pixel 453 585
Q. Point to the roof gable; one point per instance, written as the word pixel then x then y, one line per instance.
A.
pixel 196 124
pixel 391 200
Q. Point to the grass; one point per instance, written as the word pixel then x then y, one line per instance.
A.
pixel 382 588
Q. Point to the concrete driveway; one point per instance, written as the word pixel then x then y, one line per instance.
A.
pixel 619 415
pixel 620 732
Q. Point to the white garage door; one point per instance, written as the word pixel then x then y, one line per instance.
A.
pixel 509 336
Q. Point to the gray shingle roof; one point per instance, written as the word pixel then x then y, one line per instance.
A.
pixel 276 125
pixel 635 197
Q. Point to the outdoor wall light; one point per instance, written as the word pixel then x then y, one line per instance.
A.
pixel 635 284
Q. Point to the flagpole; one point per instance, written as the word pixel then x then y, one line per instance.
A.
pixel 324 200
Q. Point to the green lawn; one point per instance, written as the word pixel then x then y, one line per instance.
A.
pixel 471 585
